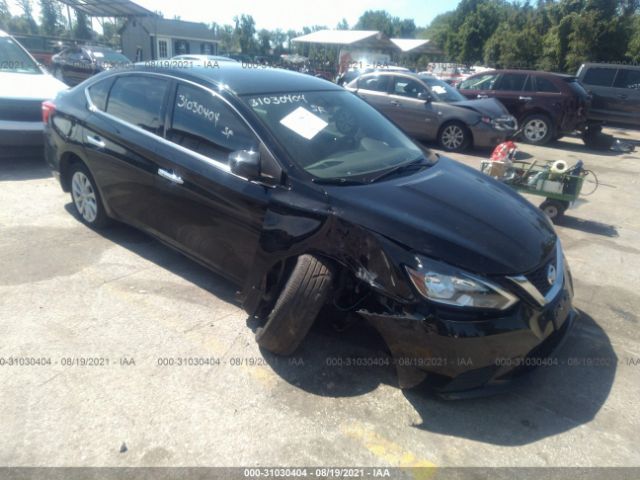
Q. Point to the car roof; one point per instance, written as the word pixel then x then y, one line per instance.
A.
pixel 611 65
pixel 245 81
pixel 526 72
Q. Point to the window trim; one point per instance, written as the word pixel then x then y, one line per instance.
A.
pixel 224 167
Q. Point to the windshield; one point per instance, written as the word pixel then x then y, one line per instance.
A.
pixel 14 59
pixel 334 135
pixel 443 92
pixel 108 56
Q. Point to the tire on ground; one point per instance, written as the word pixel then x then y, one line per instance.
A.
pixel 448 129
pixel 101 219
pixel 546 138
pixel 297 307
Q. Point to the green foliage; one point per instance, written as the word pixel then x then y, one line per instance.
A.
pixel 81 29
pixel 51 19
pixel 382 21
pixel 555 35
pixel 245 32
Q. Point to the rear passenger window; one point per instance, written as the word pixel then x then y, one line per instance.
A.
pixel 99 92
pixel 206 125
pixel 138 100
pixel 628 79
pixel 602 77
pixel 378 83
pixel 545 85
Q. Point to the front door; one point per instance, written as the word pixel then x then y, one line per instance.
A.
pixel 414 115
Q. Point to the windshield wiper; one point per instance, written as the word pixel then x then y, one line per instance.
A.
pixel 337 181
pixel 420 162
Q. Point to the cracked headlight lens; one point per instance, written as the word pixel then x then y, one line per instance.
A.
pixel 448 285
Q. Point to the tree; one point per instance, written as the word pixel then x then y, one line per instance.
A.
pixel 379 20
pixel 28 24
pixel 633 52
pixel 81 29
pixel 264 42
pixel 52 22
pixel 245 31
pixel 342 25
pixel 5 14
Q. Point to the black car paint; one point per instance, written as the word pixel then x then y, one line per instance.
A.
pixel 447 211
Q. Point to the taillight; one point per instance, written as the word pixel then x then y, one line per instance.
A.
pixel 48 108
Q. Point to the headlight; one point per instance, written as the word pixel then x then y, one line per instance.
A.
pixel 448 285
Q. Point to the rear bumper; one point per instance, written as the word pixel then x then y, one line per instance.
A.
pixel 21 134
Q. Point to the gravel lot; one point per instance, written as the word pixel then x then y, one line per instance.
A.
pixel 67 292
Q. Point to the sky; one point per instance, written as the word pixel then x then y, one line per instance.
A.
pixel 289 14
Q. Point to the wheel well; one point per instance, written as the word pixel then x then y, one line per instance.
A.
pixel 66 162
pixel 537 112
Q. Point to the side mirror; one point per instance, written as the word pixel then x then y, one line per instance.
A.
pixel 245 163
pixel 424 96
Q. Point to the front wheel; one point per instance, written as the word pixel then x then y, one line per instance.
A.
pixel 454 137
pixel 297 307
pixel 537 129
pixel 86 198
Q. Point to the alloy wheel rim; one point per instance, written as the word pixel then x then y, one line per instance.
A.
pixel 84 197
pixel 535 130
pixel 452 137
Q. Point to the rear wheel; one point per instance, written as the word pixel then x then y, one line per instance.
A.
pixel 537 129
pixel 454 137
pixel 86 198
pixel 297 307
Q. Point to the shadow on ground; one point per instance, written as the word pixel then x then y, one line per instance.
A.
pixel 23 165
pixel 166 257
pixel 587 226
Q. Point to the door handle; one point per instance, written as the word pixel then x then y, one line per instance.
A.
pixel 96 140
pixel 525 99
pixel 482 96
pixel 394 103
pixel 170 176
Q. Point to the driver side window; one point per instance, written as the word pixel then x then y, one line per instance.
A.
pixel 206 125
pixel 407 87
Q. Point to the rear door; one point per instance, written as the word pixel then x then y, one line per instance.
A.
pixel 374 89
pixel 204 209
pixel 121 139
pixel 627 95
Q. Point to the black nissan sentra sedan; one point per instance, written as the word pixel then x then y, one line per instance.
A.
pixel 304 195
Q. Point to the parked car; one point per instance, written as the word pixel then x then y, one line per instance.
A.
pixel 615 90
pixel 24 85
pixel 430 109
pixel 547 105
pixel 352 73
pixel 304 195
pixel 203 59
pixel 75 64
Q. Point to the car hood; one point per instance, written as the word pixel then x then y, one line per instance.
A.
pixel 452 213
pixel 29 86
pixel 486 106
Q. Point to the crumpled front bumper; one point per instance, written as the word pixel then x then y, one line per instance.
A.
pixel 471 357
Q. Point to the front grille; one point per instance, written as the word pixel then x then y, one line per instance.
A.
pixel 539 277
pixel 21 110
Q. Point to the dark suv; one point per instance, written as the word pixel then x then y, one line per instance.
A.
pixel 75 64
pixel 615 90
pixel 547 105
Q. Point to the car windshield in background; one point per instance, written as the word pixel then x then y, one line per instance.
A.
pixel 108 56
pixel 334 136
pixel 14 59
pixel 442 91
